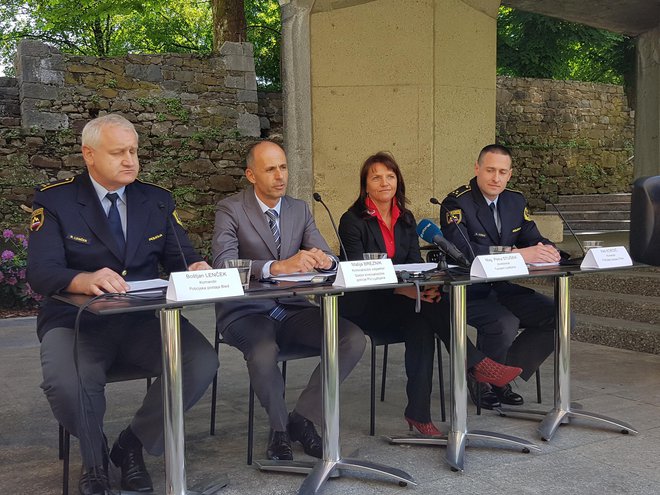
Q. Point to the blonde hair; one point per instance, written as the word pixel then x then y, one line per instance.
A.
pixel 91 133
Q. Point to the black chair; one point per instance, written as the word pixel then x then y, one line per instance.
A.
pixel 116 374
pixel 386 341
pixel 285 355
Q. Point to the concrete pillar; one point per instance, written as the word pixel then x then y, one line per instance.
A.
pixel 647 114
pixel 296 96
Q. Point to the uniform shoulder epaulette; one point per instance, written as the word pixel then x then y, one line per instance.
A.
pixel 460 191
pixel 50 185
pixel 514 191
pixel 153 184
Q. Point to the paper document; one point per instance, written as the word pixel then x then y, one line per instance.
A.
pixel 304 277
pixel 416 267
pixel 142 285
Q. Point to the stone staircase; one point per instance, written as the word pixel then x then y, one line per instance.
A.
pixel 617 309
pixel 595 212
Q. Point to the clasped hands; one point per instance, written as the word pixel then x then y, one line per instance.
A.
pixel 303 261
pixel 541 253
pixel 106 280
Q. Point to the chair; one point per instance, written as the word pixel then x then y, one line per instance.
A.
pixel 115 374
pixel 285 355
pixel 386 341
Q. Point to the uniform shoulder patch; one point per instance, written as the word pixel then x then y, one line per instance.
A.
pixel 526 214
pixel 460 191
pixel 454 216
pixel 152 184
pixel 37 219
pixel 50 185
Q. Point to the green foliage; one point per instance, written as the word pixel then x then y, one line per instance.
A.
pixel 264 32
pixel 533 45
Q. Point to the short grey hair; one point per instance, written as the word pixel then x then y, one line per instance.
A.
pixel 91 133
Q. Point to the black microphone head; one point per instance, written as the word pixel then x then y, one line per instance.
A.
pixel 317 197
pixel 546 199
pixel 434 201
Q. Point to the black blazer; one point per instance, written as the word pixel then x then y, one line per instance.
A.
pixel 70 234
pixel 360 234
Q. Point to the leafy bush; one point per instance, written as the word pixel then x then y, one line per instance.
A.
pixel 15 292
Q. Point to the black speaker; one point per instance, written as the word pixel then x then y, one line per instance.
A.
pixel 645 221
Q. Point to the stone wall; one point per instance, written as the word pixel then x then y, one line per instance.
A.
pixel 196 117
pixel 566 137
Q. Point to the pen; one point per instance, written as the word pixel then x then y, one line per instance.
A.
pixel 268 281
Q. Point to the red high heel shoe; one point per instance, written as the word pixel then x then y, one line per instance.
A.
pixel 489 371
pixel 426 429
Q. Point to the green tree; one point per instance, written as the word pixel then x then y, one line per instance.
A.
pixel 533 45
pixel 264 25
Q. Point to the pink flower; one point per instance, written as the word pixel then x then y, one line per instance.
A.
pixel 12 281
pixel 21 274
pixel 7 255
pixel 7 233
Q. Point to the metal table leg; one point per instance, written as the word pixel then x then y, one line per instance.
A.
pixel 562 410
pixel 175 469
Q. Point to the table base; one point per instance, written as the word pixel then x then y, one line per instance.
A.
pixel 556 417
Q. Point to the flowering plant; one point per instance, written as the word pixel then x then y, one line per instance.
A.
pixel 15 292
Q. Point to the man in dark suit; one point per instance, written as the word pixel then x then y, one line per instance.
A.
pixel 489 214
pixel 279 235
pixel 90 234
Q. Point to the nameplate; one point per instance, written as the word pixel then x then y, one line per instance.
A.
pixel 204 284
pixel 498 265
pixel 365 272
pixel 606 257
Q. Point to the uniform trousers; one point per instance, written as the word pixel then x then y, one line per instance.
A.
pixel 393 315
pixel 128 340
pixel 500 313
pixel 260 338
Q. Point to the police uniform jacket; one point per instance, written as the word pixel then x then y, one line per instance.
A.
pixel 466 209
pixel 70 234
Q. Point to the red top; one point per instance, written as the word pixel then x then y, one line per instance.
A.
pixel 388 235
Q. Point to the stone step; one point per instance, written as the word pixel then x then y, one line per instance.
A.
pixel 588 216
pixel 605 205
pixel 593 198
pixel 600 225
pixel 622 334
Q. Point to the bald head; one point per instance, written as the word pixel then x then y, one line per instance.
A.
pixel 268 172
pixel 260 148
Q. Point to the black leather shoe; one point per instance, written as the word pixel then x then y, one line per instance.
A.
pixel 488 398
pixel 508 396
pixel 279 446
pixel 134 474
pixel 94 481
pixel 302 430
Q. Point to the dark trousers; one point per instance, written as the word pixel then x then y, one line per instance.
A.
pixel 390 315
pixel 260 338
pixel 127 340
pixel 499 315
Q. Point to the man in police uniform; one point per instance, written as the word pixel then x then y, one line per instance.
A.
pixel 90 234
pixel 489 214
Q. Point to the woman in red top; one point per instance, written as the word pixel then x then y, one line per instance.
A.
pixel 379 221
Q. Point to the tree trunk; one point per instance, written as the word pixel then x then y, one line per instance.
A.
pixel 228 22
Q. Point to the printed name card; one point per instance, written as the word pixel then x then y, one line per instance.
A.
pixel 204 284
pixel 606 257
pixel 498 265
pixel 365 272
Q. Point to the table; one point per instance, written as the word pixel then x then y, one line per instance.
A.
pixel 562 410
pixel 169 313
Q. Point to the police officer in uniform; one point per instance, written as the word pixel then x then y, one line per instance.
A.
pixel 90 234
pixel 489 214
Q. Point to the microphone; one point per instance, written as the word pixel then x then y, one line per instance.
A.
pixel 318 199
pixel 547 200
pixel 161 205
pixel 451 218
pixel 431 233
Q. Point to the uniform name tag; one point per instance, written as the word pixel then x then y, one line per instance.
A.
pixel 365 272
pixel 606 257
pixel 204 284
pixel 498 266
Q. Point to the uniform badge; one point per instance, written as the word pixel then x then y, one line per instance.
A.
pixel 517 229
pixel 526 214
pixel 176 217
pixel 454 216
pixel 37 220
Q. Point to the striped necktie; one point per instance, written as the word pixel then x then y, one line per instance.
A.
pixel 272 222
pixel 496 217
pixel 115 222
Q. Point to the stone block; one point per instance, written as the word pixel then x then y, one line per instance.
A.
pixel 231 48
pixel 246 96
pixel 184 75
pixel 73 161
pixel 161 128
pixel 39 161
pixel 248 125
pixel 237 82
pixel 239 63
pixel 222 183
pixel 172 85
pixel 8 82
pixel 264 123
pixel 151 73
pixel 34 48
pixel 44 120
pixel 251 81
pixel 198 166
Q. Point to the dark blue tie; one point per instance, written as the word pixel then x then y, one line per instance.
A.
pixel 115 222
